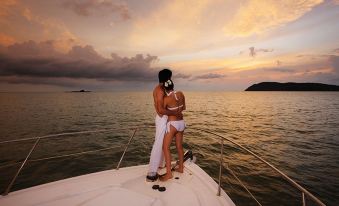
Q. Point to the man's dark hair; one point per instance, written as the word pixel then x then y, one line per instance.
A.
pixel 164 75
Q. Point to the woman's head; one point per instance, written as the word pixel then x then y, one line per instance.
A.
pixel 168 85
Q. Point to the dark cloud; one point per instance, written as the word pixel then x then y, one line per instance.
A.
pixel 280 70
pixel 31 48
pixel 266 71
pixel 334 62
pixel 312 56
pixel 182 76
pixel 264 50
pixel 40 60
pixel 253 51
pixel 324 71
pixel 64 82
pixel 98 7
pixel 210 76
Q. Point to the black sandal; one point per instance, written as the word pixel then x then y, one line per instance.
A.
pixel 152 178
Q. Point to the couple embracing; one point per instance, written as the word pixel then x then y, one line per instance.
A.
pixel 169 123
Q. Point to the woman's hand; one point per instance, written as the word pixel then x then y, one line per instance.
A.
pixel 179 114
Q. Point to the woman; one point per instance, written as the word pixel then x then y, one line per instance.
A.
pixel 175 128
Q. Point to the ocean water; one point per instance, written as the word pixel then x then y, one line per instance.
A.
pixel 298 132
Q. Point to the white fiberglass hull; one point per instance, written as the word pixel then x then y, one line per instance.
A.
pixel 126 186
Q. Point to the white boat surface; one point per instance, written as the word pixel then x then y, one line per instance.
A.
pixel 126 186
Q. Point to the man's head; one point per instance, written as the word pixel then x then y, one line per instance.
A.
pixel 164 75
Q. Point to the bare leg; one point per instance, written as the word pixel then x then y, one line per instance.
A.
pixel 178 143
pixel 167 153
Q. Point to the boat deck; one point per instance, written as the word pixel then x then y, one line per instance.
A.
pixel 126 186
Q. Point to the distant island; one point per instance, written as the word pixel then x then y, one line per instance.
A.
pixel 292 86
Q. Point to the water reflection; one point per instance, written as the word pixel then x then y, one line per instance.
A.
pixel 296 131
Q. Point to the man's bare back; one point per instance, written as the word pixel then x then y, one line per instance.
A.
pixel 158 97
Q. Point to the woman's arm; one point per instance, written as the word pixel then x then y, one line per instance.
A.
pixel 184 103
pixel 183 100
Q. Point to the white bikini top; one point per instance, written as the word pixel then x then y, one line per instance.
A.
pixel 176 98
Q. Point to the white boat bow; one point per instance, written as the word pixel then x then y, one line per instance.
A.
pixel 126 186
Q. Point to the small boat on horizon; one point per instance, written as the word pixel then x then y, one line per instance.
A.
pixel 82 90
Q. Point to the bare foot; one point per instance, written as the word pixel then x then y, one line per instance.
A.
pixel 166 177
pixel 181 170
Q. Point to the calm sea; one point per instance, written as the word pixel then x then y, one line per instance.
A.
pixel 298 132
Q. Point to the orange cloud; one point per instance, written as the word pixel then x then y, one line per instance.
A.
pixel 63 38
pixel 258 16
pixel 5 6
pixel 49 28
pixel 27 14
pixel 6 40
pixel 173 25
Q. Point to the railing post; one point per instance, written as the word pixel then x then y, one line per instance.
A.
pixel 19 170
pixel 220 165
pixel 303 197
pixel 129 141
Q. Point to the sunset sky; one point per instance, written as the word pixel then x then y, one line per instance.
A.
pixel 222 45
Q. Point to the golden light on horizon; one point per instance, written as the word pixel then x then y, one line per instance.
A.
pixel 194 38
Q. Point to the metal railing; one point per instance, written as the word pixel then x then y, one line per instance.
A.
pixel 37 139
pixel 304 192
pixel 283 175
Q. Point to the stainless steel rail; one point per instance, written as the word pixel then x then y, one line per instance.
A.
pixel 129 142
pixel 242 184
pixel 283 175
pixel 222 138
pixel 220 164
pixel 70 133
pixel 60 156
pixel 22 165
pixel 37 139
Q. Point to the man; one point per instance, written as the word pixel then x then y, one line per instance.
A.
pixel 160 124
